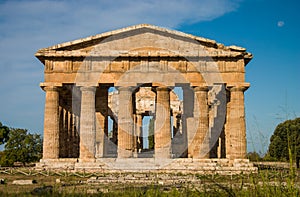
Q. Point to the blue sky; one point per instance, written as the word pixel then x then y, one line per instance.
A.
pixel 268 29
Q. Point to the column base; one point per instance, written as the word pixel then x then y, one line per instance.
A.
pixel 161 153
pixel 125 153
pixel 86 160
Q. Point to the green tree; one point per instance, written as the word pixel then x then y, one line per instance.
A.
pixel 4 131
pixel 151 134
pixel 254 156
pixel 286 138
pixel 21 147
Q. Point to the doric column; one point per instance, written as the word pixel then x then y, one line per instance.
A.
pixel 135 135
pixel 102 121
pixel 174 124
pixel 125 123
pixel 187 118
pixel 70 134
pixel 139 124
pixel 162 134
pixel 87 124
pixel 75 136
pixel 236 127
pixel 51 124
pixel 200 141
pixel 64 131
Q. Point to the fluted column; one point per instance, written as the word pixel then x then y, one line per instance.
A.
pixel 125 123
pixel 70 134
pixel 135 136
pixel 74 142
pixel 51 123
pixel 64 147
pixel 162 134
pixel 87 124
pixel 236 128
pixel 102 121
pixel 188 123
pixel 200 141
pixel 139 124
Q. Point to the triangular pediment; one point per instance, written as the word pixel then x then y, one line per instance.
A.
pixel 141 39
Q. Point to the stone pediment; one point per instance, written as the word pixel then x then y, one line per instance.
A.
pixel 142 40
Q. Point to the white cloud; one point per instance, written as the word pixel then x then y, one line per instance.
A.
pixel 26 26
pixel 97 16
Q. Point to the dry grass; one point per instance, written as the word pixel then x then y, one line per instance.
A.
pixel 265 183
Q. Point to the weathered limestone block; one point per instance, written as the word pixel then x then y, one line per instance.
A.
pixel 23 182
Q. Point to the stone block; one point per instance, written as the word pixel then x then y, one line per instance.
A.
pixel 23 182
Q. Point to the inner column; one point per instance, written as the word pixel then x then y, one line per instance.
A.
pixel 139 124
pixel 101 121
pixel 162 134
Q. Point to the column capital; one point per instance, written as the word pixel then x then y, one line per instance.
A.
pixel 238 87
pixel 203 88
pixel 50 88
pixel 163 88
pixel 47 86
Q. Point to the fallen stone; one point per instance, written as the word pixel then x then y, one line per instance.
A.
pixel 23 182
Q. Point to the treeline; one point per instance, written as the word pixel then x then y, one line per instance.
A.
pixel 284 144
pixel 23 147
pixel 19 146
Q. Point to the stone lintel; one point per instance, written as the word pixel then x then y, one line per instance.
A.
pixel 88 88
pixel 166 84
pixel 199 84
pixel 124 83
pixel 87 84
pixel 126 88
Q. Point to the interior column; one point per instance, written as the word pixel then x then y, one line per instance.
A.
pixel 139 124
pixel 187 119
pixel 102 121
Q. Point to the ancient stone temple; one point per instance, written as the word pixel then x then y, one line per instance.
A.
pixel 145 98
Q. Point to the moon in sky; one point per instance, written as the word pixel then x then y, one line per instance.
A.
pixel 280 23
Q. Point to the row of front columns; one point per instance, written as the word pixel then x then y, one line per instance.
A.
pixel 198 144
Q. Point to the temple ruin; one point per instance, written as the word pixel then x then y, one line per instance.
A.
pixel 102 90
